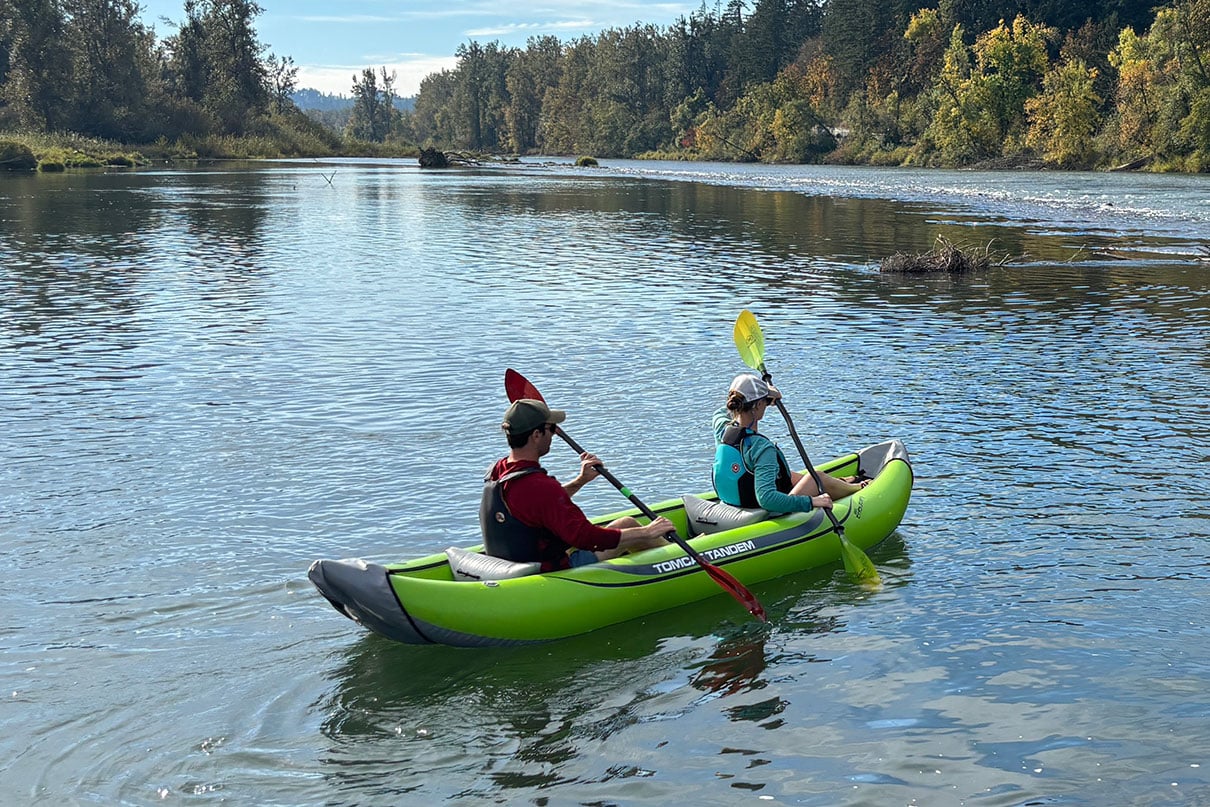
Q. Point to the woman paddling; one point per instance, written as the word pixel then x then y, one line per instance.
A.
pixel 750 471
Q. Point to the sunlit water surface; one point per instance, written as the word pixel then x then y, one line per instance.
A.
pixel 211 377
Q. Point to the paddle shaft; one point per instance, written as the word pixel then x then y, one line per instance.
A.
pixel 724 579
pixel 750 342
pixel 625 491
pixel 802 451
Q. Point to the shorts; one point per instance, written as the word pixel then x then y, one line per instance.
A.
pixel 582 557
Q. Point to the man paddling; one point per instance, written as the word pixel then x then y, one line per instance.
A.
pixel 526 515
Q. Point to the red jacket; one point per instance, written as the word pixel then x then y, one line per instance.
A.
pixel 539 501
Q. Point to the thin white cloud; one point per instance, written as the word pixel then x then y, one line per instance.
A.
pixel 482 20
pixel 532 28
pixel 620 13
pixel 347 19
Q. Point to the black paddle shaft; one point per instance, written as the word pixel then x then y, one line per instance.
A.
pixel 644 509
pixel 802 452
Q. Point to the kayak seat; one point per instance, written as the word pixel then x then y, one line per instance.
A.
pixel 477 567
pixel 705 516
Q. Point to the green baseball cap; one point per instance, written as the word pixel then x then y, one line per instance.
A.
pixel 527 414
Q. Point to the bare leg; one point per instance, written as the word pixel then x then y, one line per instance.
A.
pixel 804 485
pixel 837 488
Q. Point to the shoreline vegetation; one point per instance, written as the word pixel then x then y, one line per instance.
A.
pixel 50 152
pixel 1010 84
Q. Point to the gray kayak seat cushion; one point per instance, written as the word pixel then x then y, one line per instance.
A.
pixel 476 567
pixel 705 517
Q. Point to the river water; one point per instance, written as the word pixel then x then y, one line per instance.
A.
pixel 210 378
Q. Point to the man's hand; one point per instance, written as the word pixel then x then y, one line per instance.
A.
pixel 588 472
pixel 588 467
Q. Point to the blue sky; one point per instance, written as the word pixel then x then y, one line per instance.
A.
pixel 332 41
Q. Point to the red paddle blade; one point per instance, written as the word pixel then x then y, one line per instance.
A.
pixel 517 387
pixel 737 590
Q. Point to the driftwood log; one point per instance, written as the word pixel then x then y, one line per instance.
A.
pixel 1133 165
pixel 436 158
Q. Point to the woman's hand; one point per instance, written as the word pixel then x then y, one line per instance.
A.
pixel 823 501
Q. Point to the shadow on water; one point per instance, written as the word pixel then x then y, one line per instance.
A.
pixel 482 722
pixel 81 245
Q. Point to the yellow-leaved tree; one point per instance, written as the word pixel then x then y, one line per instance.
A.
pixel 980 101
pixel 1064 117
pixel 1162 106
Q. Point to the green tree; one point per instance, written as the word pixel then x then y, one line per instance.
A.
pixel 527 79
pixel 282 77
pixel 959 130
pixel 7 20
pixel 187 67
pixel 480 95
pixel 927 35
pixel 495 114
pixel 373 106
pixel 770 38
pixel 236 87
pixel 624 105
pixel 696 58
pixel 1162 107
pixel 980 93
pixel 858 33
pixel 37 85
pixel 1064 117
pixel 1011 62
pixel 109 50
pixel 215 62
pixel 430 121
pixel 775 121
pixel 565 126
pixel 1137 104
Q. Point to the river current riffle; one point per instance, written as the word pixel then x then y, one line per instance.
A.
pixel 211 377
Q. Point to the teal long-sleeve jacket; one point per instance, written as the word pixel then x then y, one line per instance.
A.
pixel 762 457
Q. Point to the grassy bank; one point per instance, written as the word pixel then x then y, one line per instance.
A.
pixel 280 138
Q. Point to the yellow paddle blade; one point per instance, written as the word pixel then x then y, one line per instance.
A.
pixel 858 563
pixel 749 340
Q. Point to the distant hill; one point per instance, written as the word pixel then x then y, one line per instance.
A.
pixel 314 99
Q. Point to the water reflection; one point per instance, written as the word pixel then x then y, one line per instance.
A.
pixel 516 716
pixel 519 719
pixel 86 256
pixel 735 666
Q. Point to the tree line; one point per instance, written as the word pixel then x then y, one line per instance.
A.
pixel 1069 83
pixel 93 68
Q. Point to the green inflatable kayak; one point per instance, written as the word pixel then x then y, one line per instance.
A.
pixel 462 597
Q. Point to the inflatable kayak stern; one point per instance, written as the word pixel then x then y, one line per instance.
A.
pixel 362 592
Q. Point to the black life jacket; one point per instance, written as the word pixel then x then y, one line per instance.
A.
pixel 504 536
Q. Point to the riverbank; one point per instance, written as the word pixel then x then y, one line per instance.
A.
pixel 26 150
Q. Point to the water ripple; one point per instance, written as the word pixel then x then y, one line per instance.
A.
pixel 212 377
